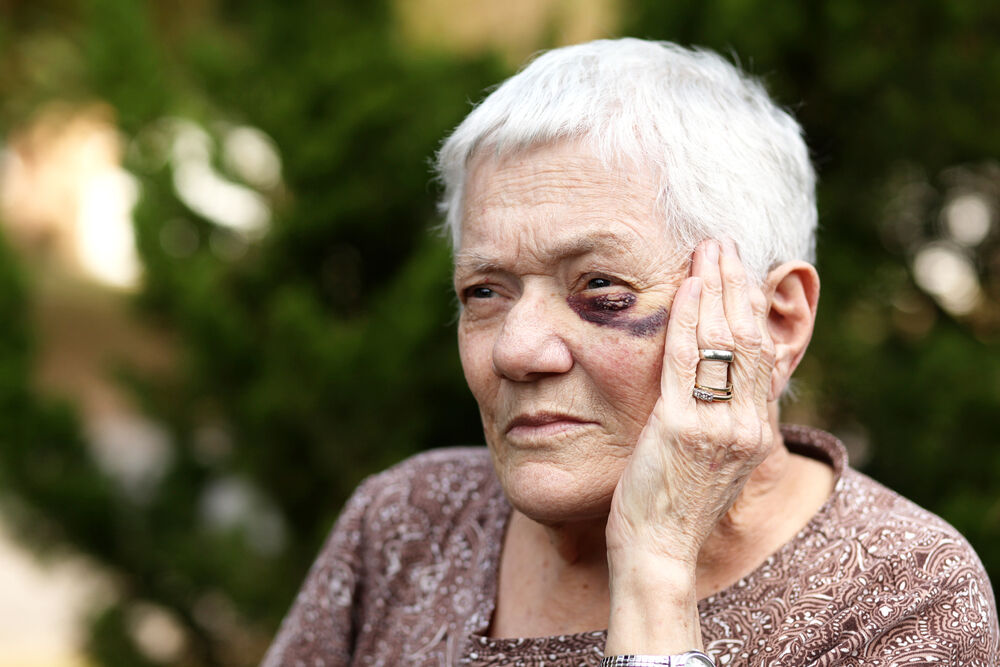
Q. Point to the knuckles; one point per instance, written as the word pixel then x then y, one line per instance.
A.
pixel 758 302
pixel 684 355
pixel 768 355
pixel 743 444
pixel 687 432
pixel 717 335
pixel 747 335
pixel 748 442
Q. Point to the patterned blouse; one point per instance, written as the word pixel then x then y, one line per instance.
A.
pixel 409 577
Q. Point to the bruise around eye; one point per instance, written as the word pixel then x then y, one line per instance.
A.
pixel 613 302
pixel 611 310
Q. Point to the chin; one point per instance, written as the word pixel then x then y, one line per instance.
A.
pixel 550 494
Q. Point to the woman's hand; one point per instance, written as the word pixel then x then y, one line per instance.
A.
pixel 692 458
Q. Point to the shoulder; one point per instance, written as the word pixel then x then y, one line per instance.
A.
pixel 916 586
pixel 874 520
pixel 386 548
pixel 898 584
pixel 390 526
pixel 428 539
pixel 446 460
pixel 415 501
pixel 888 526
pixel 427 498
pixel 445 479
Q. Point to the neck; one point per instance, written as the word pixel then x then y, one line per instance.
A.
pixel 553 579
pixel 570 553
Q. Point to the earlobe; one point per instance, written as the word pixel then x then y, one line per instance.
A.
pixel 792 291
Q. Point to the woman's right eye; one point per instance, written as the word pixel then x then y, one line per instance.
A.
pixel 598 283
pixel 479 292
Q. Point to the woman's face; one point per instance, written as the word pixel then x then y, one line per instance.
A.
pixel 565 276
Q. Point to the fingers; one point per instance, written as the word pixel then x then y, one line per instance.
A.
pixel 713 329
pixel 746 311
pixel 765 364
pixel 738 296
pixel 680 352
pixel 723 310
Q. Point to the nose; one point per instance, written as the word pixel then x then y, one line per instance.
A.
pixel 530 345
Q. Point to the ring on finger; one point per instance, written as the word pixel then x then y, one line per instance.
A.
pixel 713 394
pixel 716 355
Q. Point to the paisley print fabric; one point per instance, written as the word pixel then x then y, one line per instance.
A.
pixel 408 577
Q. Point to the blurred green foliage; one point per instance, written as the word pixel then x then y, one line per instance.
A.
pixel 324 351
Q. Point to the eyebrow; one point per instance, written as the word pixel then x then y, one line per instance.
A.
pixel 592 242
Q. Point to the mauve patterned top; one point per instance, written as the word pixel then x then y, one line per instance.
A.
pixel 409 577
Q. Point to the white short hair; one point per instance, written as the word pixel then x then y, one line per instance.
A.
pixel 728 162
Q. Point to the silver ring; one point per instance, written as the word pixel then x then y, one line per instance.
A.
pixel 713 394
pixel 717 355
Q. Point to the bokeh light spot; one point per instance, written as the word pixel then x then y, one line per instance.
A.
pixel 968 218
pixel 948 275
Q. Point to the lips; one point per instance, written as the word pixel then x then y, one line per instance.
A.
pixel 544 423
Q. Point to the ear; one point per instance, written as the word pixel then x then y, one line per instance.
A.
pixel 792 291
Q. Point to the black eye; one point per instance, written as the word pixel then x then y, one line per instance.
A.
pixel 480 293
pixel 598 283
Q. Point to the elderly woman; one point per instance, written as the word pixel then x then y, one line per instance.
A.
pixel 633 228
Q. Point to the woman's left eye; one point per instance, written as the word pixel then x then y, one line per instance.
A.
pixel 598 283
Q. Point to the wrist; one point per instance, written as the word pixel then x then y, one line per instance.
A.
pixel 654 606
pixel 675 551
pixel 634 572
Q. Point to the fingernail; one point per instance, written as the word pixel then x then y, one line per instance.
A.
pixel 730 246
pixel 711 251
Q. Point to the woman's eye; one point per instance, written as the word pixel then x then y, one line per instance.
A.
pixel 598 283
pixel 479 293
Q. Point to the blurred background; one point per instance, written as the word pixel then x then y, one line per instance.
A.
pixel 222 305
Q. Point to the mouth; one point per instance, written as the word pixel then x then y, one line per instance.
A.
pixel 541 424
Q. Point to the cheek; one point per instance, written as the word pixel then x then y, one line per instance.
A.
pixel 626 371
pixel 476 354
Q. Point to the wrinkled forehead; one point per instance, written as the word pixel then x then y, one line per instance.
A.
pixel 557 200
pixel 580 158
pixel 564 178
